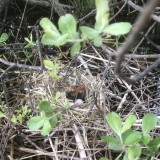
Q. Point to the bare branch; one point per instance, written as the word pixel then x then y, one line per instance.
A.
pixel 138 26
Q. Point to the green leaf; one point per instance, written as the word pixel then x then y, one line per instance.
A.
pixel 125 157
pixel 58 95
pixel 134 152
pixel 45 106
pixel 48 39
pixel 155 143
pixel 130 120
pixel 14 119
pixel 117 29
pixel 75 49
pixel 53 121
pixel 48 64
pixel 1 114
pixel 90 33
pixel 67 24
pixel 115 147
pixel 133 138
pixel 149 122
pixel 20 118
pixel 108 139
pixel 103 158
pixel 102 15
pixel 49 28
pixel 146 139
pixel 114 122
pixel 4 37
pixel 35 123
pixel 48 114
pixel 126 134
pixel 46 128
pixel 97 41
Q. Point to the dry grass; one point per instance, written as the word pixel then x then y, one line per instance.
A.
pixel 77 135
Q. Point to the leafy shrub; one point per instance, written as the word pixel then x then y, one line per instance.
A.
pixel 67 29
pixel 135 144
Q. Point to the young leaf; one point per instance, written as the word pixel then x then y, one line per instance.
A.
pixel 102 15
pixel 115 147
pixel 149 122
pixel 117 29
pixel 97 41
pixel 108 139
pixel 103 158
pixel 46 128
pixel 45 106
pixel 75 49
pixel 53 121
pixel 4 37
pixel 155 143
pixel 48 64
pixel 114 122
pixel 48 39
pixel 67 24
pixel 35 123
pixel 146 139
pixel 90 33
pixel 49 27
pixel 14 119
pixel 130 120
pixel 133 138
pixel 58 95
pixel 134 152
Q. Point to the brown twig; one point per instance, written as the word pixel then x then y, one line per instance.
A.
pixel 123 49
pixel 140 9
pixel 39 68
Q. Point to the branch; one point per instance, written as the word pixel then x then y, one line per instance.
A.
pixel 138 27
pixel 39 68
pixel 140 9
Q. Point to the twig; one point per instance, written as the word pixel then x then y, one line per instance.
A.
pixel 140 9
pixel 53 149
pixel 39 68
pixel 79 142
pixel 5 72
pixel 137 56
pixel 123 49
pixel 38 46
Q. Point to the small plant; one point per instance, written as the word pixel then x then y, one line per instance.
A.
pixel 67 29
pixel 54 68
pixel 49 115
pixel 4 37
pixel 46 121
pixel 20 115
pixel 30 41
pixel 134 144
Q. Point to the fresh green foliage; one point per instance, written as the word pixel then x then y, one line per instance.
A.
pixel 103 159
pixel 67 31
pixel 20 115
pixel 54 68
pixel 49 114
pixel 4 37
pixel 30 41
pixel 133 143
pixel 46 121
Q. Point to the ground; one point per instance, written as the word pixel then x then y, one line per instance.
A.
pixel 89 77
